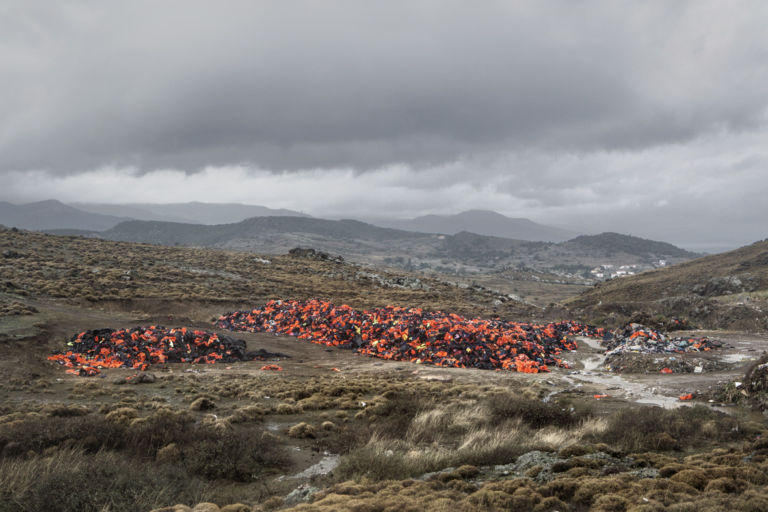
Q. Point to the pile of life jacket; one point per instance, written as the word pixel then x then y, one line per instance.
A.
pixel 415 335
pixel 137 348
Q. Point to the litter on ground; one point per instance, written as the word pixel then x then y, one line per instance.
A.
pixel 639 338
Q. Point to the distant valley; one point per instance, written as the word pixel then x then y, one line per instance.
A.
pixel 462 253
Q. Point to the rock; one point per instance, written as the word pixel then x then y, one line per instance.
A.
pixel 144 378
pixel 299 252
pixel 302 494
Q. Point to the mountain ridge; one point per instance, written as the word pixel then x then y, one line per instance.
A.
pixel 363 242
pixel 53 214
pixel 482 222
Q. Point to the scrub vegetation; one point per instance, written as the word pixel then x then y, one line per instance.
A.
pixel 396 435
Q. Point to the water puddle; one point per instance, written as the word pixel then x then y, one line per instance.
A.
pixel 616 384
pixel 738 358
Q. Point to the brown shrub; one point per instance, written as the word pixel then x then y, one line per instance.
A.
pixel 123 415
pixel 670 469
pixel 236 507
pixel 248 414
pixel 609 503
pixel 302 430
pixel 590 488
pixel 270 504
pixel 726 485
pixel 202 404
pixel 562 488
pixel 168 454
pixel 67 410
pixel 550 504
pixel 286 408
pixel 206 507
pixel 694 477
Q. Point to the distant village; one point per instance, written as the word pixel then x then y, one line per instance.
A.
pixel 603 272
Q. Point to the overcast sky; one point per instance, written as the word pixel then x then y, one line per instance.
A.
pixel 647 118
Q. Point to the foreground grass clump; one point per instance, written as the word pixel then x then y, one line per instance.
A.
pixel 73 479
pixel 637 430
pixel 611 493
pixel 411 435
pixel 123 461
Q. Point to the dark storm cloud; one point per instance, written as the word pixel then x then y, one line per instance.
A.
pixel 288 85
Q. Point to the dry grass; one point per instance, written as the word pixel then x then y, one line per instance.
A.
pixel 100 270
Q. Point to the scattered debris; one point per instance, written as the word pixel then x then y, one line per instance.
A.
pixel 636 338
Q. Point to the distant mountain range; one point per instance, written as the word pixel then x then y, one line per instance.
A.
pixel 54 215
pixel 463 252
pixel 193 212
pixel 482 222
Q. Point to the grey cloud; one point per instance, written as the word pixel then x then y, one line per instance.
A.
pixel 289 85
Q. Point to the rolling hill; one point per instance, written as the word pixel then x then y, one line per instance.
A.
pixel 463 252
pixel 53 214
pixel 482 222
pixel 727 289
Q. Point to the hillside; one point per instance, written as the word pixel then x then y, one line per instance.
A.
pixel 461 253
pixel 101 271
pixel 54 215
pixel 728 289
pixel 482 222
pixel 613 243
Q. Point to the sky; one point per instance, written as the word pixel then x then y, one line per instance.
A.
pixel 644 118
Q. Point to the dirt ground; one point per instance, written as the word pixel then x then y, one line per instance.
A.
pixel 27 339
